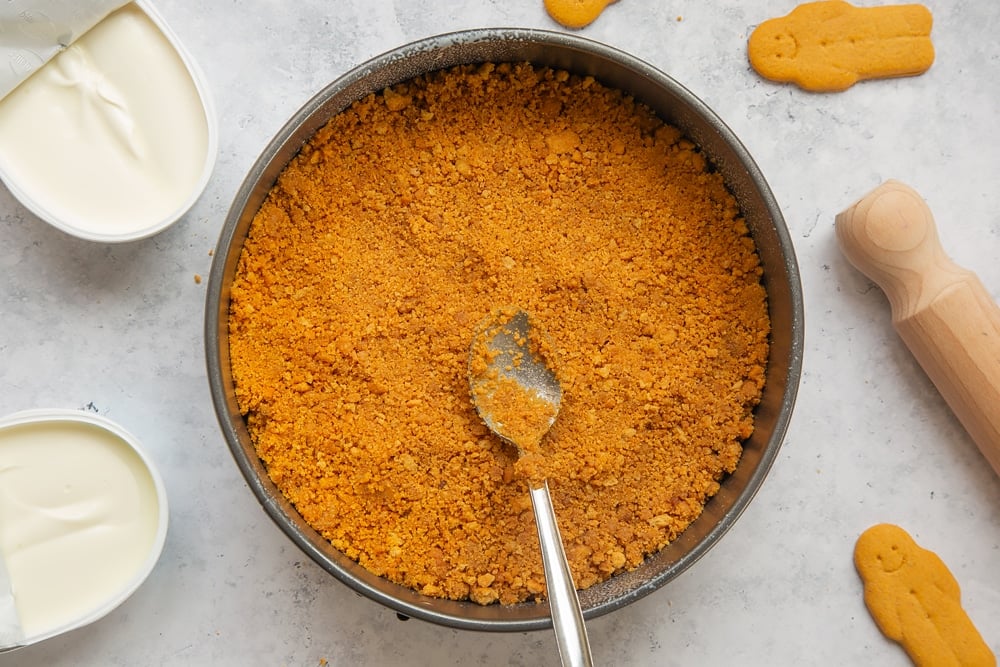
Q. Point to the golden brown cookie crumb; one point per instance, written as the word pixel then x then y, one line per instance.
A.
pixel 398 228
pixel 916 601
pixel 831 45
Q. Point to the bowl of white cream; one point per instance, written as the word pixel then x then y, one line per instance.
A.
pixel 107 131
pixel 83 520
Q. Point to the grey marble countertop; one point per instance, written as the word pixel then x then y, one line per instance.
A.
pixel 118 329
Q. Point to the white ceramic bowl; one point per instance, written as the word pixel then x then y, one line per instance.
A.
pixel 66 472
pixel 104 151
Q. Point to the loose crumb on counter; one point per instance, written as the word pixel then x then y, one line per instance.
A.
pixel 406 220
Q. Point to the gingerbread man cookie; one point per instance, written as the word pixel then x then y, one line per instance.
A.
pixel 916 601
pixel 831 45
pixel 575 13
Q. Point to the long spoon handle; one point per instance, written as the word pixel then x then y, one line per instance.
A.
pixel 567 618
pixel 940 310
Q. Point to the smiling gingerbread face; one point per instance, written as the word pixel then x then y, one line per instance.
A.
pixel 885 550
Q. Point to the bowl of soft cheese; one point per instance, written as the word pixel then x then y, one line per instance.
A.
pixel 106 127
pixel 83 520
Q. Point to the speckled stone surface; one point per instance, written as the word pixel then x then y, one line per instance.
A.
pixel 118 330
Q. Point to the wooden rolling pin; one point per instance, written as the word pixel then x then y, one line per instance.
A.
pixel 940 310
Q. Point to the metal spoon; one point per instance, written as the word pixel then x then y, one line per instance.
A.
pixel 504 357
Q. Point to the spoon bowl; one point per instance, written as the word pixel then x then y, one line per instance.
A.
pixel 513 387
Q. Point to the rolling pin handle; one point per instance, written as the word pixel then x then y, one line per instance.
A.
pixel 941 311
